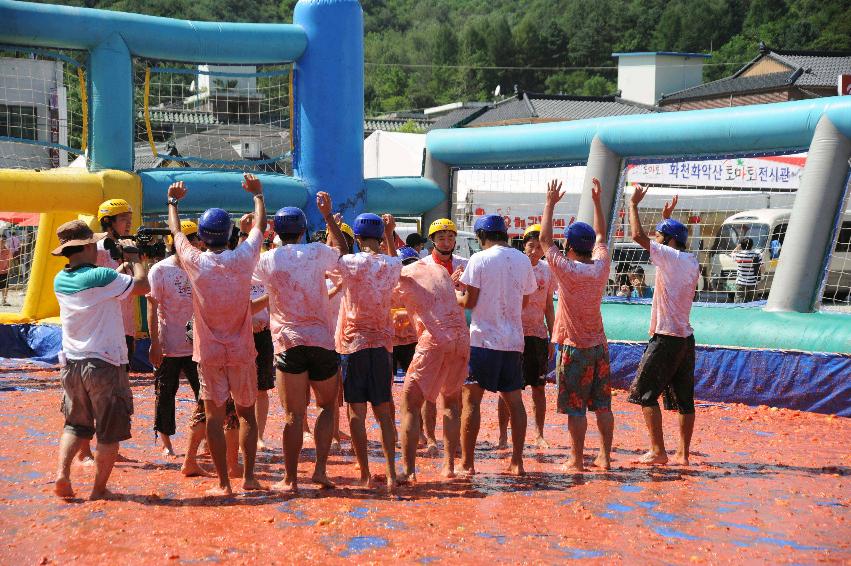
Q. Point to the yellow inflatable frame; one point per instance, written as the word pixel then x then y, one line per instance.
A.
pixel 59 195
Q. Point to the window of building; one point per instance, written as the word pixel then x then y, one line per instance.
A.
pixel 18 121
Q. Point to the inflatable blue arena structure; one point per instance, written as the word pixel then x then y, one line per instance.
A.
pixel 784 352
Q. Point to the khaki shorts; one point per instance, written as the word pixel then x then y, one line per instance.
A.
pixel 440 369
pixel 96 400
pixel 218 383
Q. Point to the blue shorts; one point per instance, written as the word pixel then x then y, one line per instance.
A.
pixel 367 376
pixel 496 370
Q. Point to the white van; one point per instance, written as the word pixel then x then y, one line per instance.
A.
pixel 767 228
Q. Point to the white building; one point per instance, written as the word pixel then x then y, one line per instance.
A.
pixel 33 108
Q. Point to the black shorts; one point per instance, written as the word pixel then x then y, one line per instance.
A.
pixel 666 368
pixel 367 376
pixel 496 370
pixel 4 280
pixel 536 361
pixel 402 356
pixel 265 360
pixel 319 363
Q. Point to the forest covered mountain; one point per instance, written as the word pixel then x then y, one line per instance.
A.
pixel 421 53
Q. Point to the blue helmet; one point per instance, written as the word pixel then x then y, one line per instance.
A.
pixel 490 223
pixel 214 227
pixel 406 252
pixel 368 225
pixel 290 220
pixel 581 237
pixel 674 229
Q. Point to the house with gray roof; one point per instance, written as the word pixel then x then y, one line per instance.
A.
pixel 772 76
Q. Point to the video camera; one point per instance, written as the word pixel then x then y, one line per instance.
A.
pixel 149 242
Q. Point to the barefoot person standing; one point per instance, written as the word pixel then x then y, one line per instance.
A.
pixel 365 337
pixel 96 389
pixel 667 365
pixel 583 367
pixel 498 281
pixel 300 309
pixel 439 365
pixel 223 343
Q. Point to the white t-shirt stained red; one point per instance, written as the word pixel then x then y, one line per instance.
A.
pixel 368 281
pixel 171 290
pixel 221 300
pixel 503 276
pixel 579 322
pixel 673 292
pixel 534 323
pixel 294 277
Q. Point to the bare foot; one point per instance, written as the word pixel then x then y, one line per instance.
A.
pixel 286 485
pixel 86 459
pixel 365 481
pixel 423 441
pixel 219 491
pixel 168 449
pixel 194 470
pixel 468 470
pixel 323 481
pixel 447 472
pixel 603 461
pixel 651 457
pixel 572 466
pixel 541 443
pixel 392 484
pixel 62 488
pixel 235 471
pixel 260 444
pixel 502 444
pixel 98 494
pixel 251 484
pixel 516 469
pixel 432 449
pixel 680 460
pixel 405 479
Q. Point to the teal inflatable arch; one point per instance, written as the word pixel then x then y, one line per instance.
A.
pixel 325 42
pixel 786 354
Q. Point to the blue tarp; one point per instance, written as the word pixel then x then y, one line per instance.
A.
pixel 38 342
pixel 805 381
pixel 42 342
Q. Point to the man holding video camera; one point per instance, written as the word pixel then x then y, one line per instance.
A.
pixel 116 251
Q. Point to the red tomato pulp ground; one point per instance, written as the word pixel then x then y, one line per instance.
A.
pixel 765 485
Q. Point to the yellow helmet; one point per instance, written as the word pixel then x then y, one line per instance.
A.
pixel 187 227
pixel 347 230
pixel 442 224
pixel 113 207
pixel 532 228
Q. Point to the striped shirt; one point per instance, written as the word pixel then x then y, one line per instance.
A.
pixel 747 267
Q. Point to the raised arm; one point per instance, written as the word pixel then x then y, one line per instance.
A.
pixel 335 235
pixel 637 231
pixel 389 229
pixel 599 218
pixel 554 195
pixel 253 185
pixel 176 191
